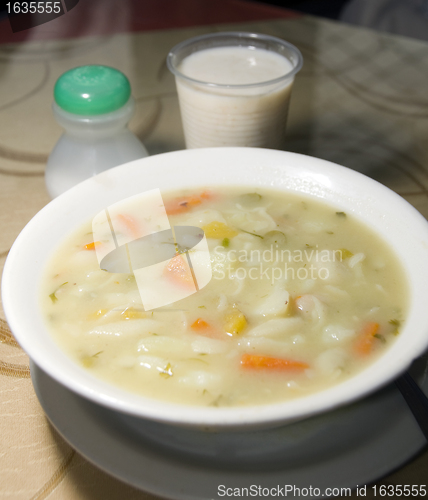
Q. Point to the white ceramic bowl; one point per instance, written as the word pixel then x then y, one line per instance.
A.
pixel 388 214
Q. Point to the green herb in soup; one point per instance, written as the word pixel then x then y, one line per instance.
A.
pixel 302 296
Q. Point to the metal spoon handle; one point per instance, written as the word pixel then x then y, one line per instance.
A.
pixel 416 400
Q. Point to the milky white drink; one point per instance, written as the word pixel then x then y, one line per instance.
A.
pixel 246 106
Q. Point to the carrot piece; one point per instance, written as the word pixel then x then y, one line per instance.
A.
pixel 181 205
pixel 185 203
pixel 201 327
pixel 178 272
pixel 92 245
pixel 364 343
pixel 206 195
pixel 257 362
pixel 200 324
pixel 131 225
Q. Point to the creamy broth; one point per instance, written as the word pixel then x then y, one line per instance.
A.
pixel 302 296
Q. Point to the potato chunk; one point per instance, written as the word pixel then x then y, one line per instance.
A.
pixel 219 230
pixel 235 322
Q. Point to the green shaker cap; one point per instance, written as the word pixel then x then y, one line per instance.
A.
pixel 92 90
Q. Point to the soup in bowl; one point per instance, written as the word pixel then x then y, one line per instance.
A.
pixel 223 288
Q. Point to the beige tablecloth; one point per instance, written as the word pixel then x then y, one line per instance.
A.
pixel 361 100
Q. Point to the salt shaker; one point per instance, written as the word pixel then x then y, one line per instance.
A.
pixel 94 105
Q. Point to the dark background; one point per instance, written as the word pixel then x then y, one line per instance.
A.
pixel 323 8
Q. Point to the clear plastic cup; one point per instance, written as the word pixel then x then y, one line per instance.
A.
pixel 238 106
